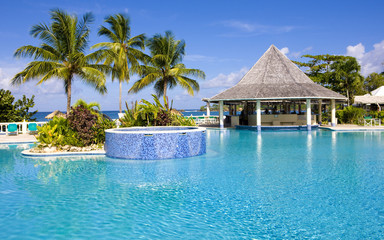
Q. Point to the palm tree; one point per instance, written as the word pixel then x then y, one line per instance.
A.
pixel 61 54
pixel 92 106
pixel 165 69
pixel 123 52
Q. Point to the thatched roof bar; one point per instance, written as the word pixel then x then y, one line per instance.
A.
pixel 275 77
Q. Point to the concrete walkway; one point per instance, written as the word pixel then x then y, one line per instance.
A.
pixel 21 138
pixel 352 127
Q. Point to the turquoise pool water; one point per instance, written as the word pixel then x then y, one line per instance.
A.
pixel 321 185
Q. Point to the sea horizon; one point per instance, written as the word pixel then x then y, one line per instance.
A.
pixel 40 116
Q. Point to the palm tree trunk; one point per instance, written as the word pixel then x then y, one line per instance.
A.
pixel 165 91
pixel 120 83
pixel 69 95
pixel 348 100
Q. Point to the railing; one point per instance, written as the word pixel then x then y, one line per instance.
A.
pixel 22 127
pixel 205 119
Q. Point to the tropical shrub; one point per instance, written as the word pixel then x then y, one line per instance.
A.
pixel 57 132
pixel 163 118
pixel 82 121
pixel 145 113
pixel 339 115
pixel 132 116
pixel 326 117
pixel 351 115
pixel 100 127
pixel 179 120
pixel 83 127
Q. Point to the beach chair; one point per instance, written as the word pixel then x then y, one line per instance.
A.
pixel 368 121
pixel 377 122
pixel 32 128
pixel 12 129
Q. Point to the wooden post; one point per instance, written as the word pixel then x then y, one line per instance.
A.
pixel 258 116
pixel 333 113
pixel 221 114
pixel 320 111
pixel 308 114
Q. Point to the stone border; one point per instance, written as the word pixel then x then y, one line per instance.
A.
pixel 28 153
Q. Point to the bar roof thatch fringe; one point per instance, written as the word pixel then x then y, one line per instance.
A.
pixel 56 113
pixel 368 99
pixel 275 77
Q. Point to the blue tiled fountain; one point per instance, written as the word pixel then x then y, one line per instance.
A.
pixel 155 142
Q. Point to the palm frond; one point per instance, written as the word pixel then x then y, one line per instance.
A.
pixel 36 53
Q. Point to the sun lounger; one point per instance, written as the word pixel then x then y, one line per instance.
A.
pixel 12 129
pixel 32 128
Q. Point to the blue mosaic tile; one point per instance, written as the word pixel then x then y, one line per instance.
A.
pixel 149 143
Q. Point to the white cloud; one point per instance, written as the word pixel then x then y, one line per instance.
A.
pixel 356 51
pixel 50 87
pixel 198 58
pixel 299 53
pixel 285 50
pixel 182 96
pixel 202 58
pixel 371 61
pixel 255 28
pixel 242 26
pixel 223 80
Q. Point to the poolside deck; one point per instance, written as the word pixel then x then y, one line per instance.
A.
pixel 352 127
pixel 21 138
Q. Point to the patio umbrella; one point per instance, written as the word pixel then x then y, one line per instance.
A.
pixel 56 113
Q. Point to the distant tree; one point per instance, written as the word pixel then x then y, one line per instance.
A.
pixel 374 81
pixel 318 68
pixel 338 73
pixel 124 51
pixel 215 107
pixel 165 69
pixel 18 111
pixel 61 54
pixel 346 78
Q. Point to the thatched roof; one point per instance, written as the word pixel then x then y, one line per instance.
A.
pixel 56 113
pixel 274 76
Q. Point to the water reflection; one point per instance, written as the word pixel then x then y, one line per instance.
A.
pixel 334 147
pixel 309 150
pixel 259 148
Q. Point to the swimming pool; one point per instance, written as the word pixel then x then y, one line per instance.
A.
pixel 321 184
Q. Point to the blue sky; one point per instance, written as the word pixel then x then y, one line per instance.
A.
pixel 224 39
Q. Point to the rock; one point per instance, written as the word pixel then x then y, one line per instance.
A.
pixel 75 149
pixel 66 148
pixel 49 149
